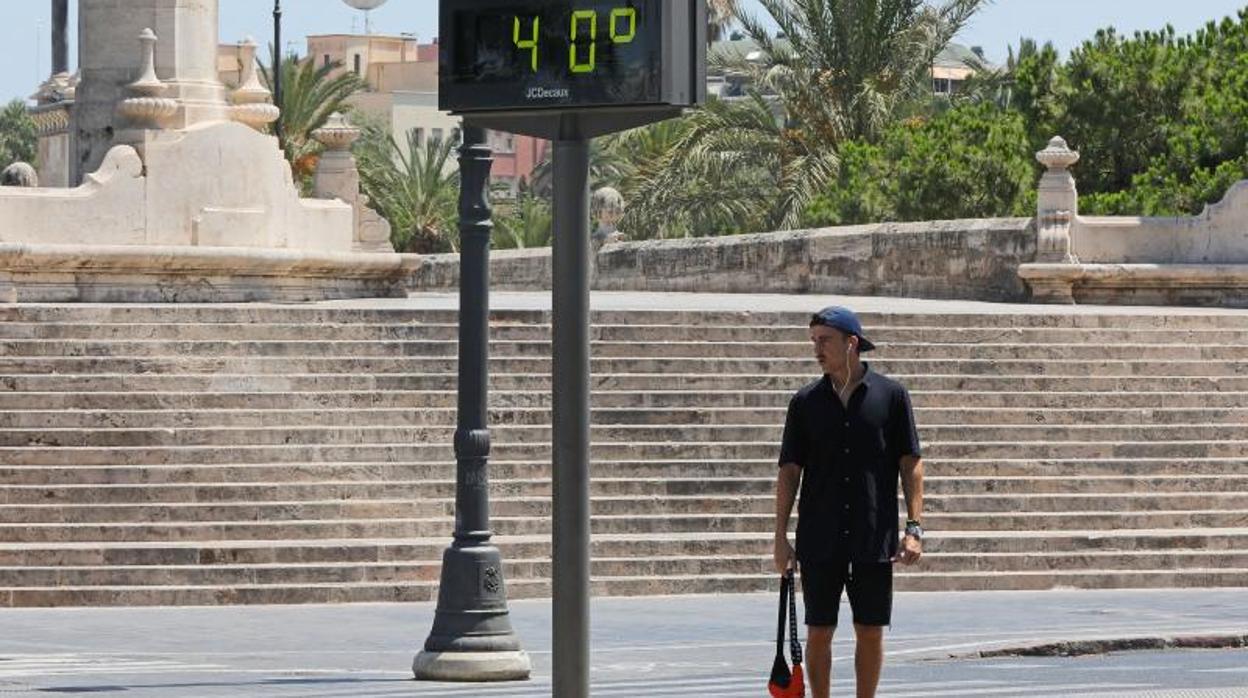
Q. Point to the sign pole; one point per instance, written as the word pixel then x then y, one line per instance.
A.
pixel 570 418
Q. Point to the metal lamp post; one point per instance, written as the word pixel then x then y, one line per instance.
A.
pixel 472 638
pixel 277 63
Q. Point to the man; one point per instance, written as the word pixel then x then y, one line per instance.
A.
pixel 847 437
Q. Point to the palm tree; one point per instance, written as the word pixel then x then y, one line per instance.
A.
pixel 414 186
pixel 310 95
pixel 528 222
pixel 736 167
pixel 997 84
pixel 844 70
pixel 845 66
pixel 720 15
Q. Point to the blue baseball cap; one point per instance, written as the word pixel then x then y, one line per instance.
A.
pixel 845 320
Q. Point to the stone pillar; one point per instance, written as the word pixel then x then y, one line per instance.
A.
pixel 1057 205
pixel 60 36
pixel 338 177
pixel 109 60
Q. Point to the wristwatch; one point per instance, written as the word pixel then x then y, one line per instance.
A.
pixel 914 528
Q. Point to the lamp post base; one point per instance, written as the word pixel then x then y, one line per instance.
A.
pixel 472 666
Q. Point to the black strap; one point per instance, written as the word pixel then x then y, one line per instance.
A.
pixel 785 581
pixel 788 597
pixel 795 645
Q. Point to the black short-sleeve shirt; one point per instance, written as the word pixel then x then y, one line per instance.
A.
pixel 850 460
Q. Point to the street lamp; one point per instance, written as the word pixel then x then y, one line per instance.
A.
pixel 472 638
pixel 277 63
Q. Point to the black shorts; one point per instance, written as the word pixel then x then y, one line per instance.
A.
pixel 870 589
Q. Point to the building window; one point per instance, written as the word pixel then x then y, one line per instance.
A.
pixel 437 135
pixel 420 136
pixel 357 64
pixel 327 59
pixel 457 136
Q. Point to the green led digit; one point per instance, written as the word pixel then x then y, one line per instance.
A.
pixel 573 61
pixel 530 44
pixel 617 14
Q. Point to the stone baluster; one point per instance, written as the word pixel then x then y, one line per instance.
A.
pixel 147 108
pixel 253 103
pixel 338 177
pixel 1057 205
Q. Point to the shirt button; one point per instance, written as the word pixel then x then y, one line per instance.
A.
pixel 847 450
pixel 846 423
pixel 846 507
pixel 844 533
pixel 847 481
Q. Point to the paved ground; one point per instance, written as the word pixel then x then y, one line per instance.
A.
pixel 671 646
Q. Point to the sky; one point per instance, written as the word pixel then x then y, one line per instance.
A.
pixel 24 25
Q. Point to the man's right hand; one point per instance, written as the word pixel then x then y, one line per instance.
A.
pixel 784 556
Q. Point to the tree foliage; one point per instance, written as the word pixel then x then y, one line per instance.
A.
pixel 310 95
pixel 972 161
pixel 843 71
pixel 1158 119
pixel 19 141
pixel 414 186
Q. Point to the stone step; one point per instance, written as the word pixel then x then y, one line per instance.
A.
pixel 687 383
pixel 618 586
pixel 507 436
pixel 1073 579
pixel 314 529
pixel 376 489
pixel 634 524
pixel 643 365
pixel 601 568
pixel 731 451
pixel 1083 502
pixel 391 508
pixel 504 472
pixel 44 494
pixel 941 403
pixel 603 505
pixel 792 349
pixel 697 543
pixel 887 333
pixel 1228 543
pixel 335 314
pixel 603 416
pixel 267 511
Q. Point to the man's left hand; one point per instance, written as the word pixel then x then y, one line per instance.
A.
pixel 911 550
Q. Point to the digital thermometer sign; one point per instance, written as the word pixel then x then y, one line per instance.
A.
pixel 519 55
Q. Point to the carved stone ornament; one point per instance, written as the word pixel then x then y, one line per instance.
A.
pixel 252 100
pixel 1058 155
pixel 337 134
pixel 147 109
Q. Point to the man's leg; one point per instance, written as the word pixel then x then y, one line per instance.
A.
pixel 868 658
pixel 819 659
pixel 821 591
pixel 871 596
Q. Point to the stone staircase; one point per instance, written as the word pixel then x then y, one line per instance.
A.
pixel 262 454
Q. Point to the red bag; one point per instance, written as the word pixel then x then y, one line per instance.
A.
pixel 785 683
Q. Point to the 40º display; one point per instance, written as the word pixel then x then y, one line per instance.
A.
pixel 509 55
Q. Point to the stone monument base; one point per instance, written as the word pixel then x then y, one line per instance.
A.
pixel 133 274
pixel 1210 285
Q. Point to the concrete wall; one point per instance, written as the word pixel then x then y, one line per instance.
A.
pixel 970 259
